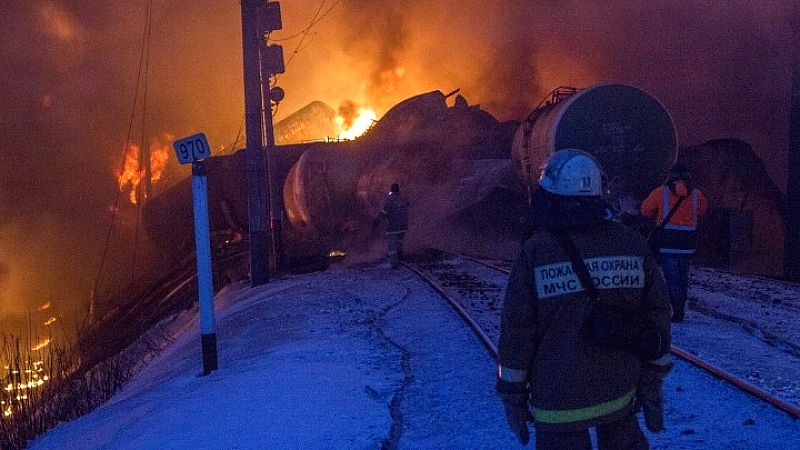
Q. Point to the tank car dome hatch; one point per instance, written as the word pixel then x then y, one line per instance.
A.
pixel 629 132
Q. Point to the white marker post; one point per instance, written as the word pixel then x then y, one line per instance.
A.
pixel 194 149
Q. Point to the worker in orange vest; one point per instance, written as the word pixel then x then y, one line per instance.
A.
pixel 677 238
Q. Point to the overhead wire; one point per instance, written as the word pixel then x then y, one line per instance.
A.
pixel 304 33
pixel 144 156
pixel 314 20
pixel 112 223
pixel 232 147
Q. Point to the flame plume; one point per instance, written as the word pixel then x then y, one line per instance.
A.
pixel 133 172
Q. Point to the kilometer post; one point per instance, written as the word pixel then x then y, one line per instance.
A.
pixel 194 149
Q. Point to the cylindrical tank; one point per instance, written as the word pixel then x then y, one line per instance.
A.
pixel 630 133
pixel 315 121
pixel 338 187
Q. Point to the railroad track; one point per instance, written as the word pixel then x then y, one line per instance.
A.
pixel 475 289
pixel 166 297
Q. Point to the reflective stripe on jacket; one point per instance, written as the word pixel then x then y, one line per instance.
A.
pixel 679 234
pixel 568 416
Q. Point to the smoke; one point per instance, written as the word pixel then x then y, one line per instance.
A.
pixel 70 71
pixel 722 71
pixel 348 111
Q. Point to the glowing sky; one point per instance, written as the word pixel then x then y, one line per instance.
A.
pixel 69 73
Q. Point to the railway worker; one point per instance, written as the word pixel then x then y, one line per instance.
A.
pixel 677 238
pixel 395 209
pixel 571 357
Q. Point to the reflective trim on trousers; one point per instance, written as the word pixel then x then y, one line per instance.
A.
pixel 512 375
pixel 677 251
pixel 581 414
pixel 672 226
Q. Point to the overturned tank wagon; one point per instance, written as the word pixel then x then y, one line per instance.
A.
pixel 629 131
pixel 168 217
pixel 447 160
pixel 466 174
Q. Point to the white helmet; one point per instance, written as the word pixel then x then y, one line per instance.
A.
pixel 571 172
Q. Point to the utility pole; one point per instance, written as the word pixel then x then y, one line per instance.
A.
pixel 272 64
pixel 254 156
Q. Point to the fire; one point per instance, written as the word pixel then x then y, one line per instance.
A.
pixel 354 120
pixel 133 172
pixel 50 321
pixel 42 344
pixel 19 384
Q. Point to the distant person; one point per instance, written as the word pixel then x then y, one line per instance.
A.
pixel 677 238
pixel 395 209
pixel 584 329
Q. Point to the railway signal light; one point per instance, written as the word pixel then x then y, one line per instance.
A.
pixel 276 94
pixel 269 17
pixel 272 59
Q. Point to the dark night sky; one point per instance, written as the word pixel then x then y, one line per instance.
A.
pixel 69 71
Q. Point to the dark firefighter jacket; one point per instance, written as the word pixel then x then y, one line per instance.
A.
pixel 573 385
pixel 395 208
pixel 680 233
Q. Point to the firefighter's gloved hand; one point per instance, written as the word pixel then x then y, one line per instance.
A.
pixel 648 343
pixel 515 403
pixel 650 393
pixel 517 414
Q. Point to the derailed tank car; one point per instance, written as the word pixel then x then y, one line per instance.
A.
pixel 447 160
pixel 466 175
pixel 629 132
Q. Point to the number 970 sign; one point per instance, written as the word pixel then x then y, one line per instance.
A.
pixel 192 148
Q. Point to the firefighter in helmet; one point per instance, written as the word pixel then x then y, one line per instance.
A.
pixel 573 356
pixel 395 209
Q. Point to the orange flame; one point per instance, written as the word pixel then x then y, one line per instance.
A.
pixel 42 344
pixel 354 120
pixel 133 172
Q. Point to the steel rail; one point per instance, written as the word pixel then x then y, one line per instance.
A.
pixel 788 408
pixel 189 274
pixel 482 336
pixel 736 381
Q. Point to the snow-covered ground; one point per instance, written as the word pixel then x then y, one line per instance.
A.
pixel 748 326
pixel 360 358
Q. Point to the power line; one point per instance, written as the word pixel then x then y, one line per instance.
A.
pixel 144 155
pixel 305 32
pixel 145 44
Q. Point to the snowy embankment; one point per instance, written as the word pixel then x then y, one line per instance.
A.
pixel 337 360
pixel 368 358
pixel 748 326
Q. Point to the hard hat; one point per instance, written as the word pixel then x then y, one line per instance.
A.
pixel 571 172
pixel 679 172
